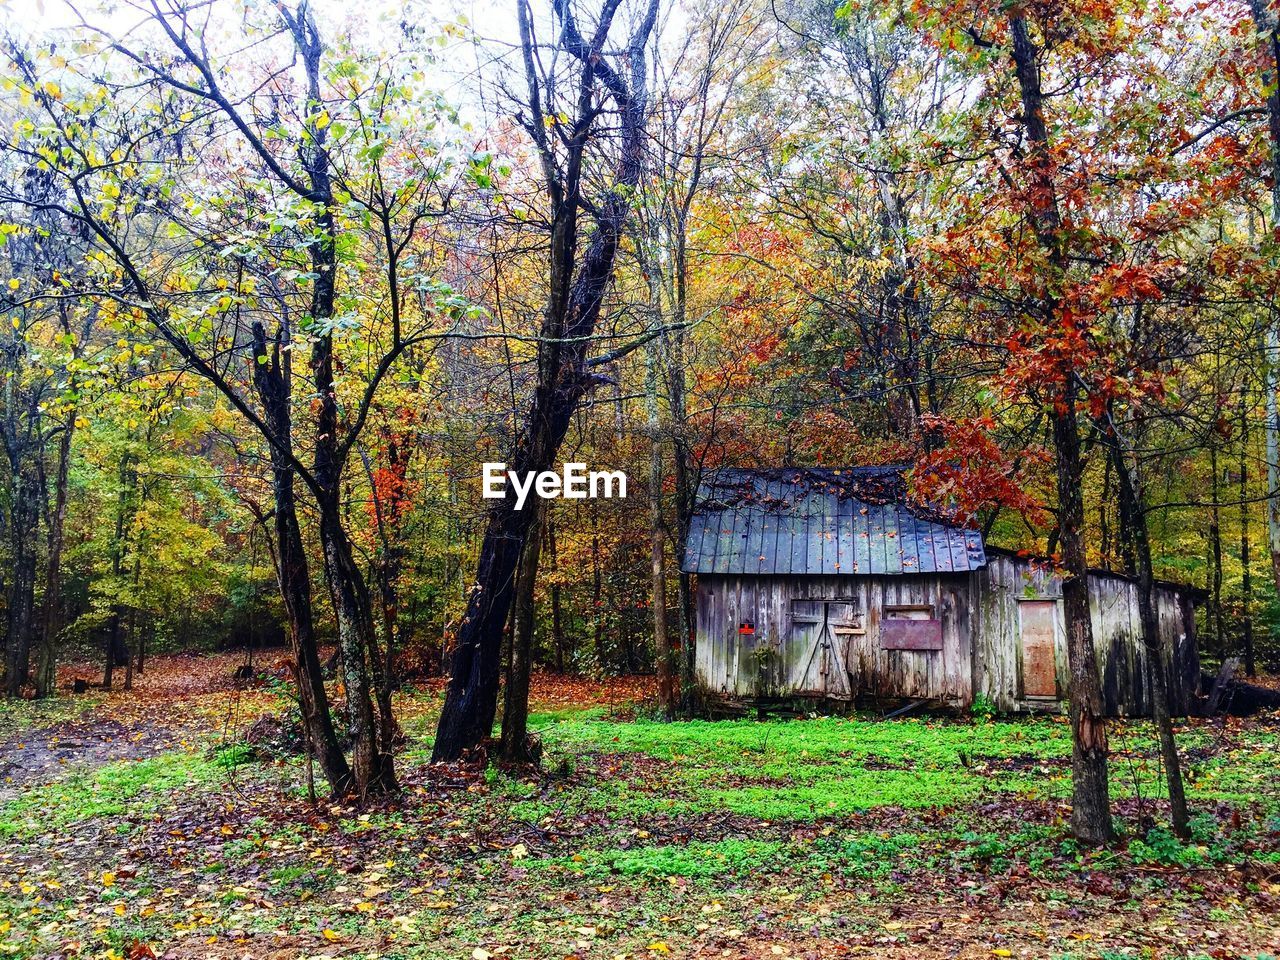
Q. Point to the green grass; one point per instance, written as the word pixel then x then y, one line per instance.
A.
pixel 702 860
pixel 803 770
pixel 662 811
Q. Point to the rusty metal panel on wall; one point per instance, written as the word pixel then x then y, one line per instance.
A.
pixel 896 634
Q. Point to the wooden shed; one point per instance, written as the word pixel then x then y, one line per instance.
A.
pixel 830 585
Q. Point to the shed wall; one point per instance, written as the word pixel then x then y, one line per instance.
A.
pixel 981 646
pixel 774 662
pixel 1006 582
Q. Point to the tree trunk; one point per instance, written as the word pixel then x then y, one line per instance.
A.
pixel 51 613
pixel 272 380
pixel 685 497
pixel 24 519
pixel 117 655
pixel 387 570
pixel 373 770
pixel 1091 808
pixel 1215 556
pixel 569 322
pixel 133 614
pixel 557 614
pixel 515 704
pixel 143 636
pixel 657 547
pixel 1159 658
pixel 1246 576
pixel 1272 426
pixel 597 591
pixel 1090 803
pixel 1264 17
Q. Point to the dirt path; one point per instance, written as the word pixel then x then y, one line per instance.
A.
pixel 184 700
pixel 178 702
pixel 40 756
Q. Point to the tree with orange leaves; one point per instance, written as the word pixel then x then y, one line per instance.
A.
pixel 1083 183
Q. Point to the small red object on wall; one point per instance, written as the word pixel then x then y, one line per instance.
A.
pixel 746 628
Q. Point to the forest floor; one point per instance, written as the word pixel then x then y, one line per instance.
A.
pixel 142 824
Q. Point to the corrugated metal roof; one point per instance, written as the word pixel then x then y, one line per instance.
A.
pixel 811 522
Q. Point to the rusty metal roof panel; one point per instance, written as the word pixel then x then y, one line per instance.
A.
pixel 814 522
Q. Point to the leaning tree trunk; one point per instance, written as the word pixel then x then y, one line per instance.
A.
pixel 295 591
pixel 373 770
pixel 515 705
pixel 471 702
pixel 271 379
pixel 568 325
pixel 1133 517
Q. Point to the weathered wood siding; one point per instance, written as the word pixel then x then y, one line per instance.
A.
pixel 1006 582
pixel 979 620
pixel 778 660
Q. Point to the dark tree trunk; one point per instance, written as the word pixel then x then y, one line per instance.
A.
pixel 373 770
pixel 144 635
pixel 272 381
pixel 117 654
pixel 1246 576
pixel 1091 808
pixel 51 608
pixel 133 615
pixel 1133 517
pixel 515 703
pixel 1090 805
pixel 24 519
pixel 569 322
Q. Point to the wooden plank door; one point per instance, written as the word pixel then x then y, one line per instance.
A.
pixel 816 658
pixel 808 624
pixel 1039 663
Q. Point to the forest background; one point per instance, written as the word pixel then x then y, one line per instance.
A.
pixel 277 283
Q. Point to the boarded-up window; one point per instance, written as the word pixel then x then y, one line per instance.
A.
pixel 1039 670
pixel 916 611
pixel 843 616
pixel 910 634
pixel 910 627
